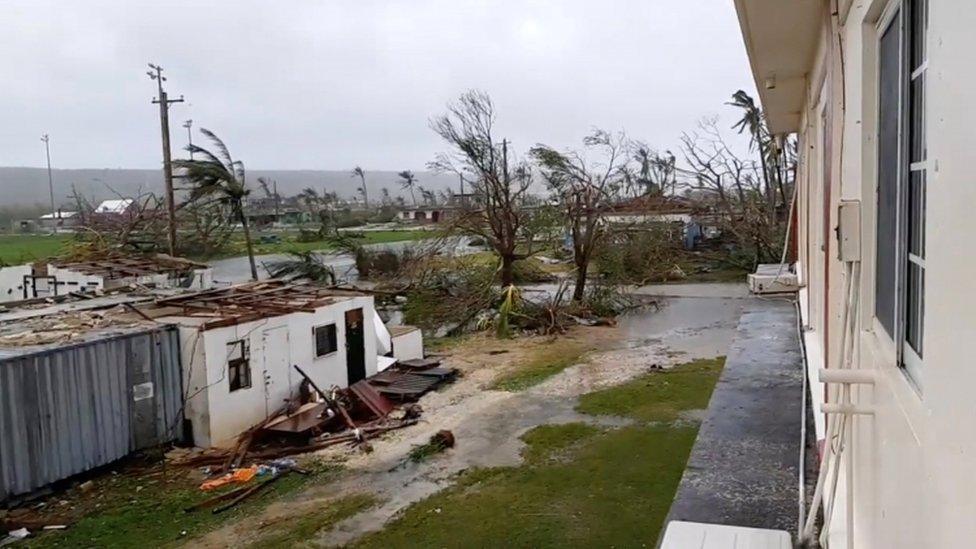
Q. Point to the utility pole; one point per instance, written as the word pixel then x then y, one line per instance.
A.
pixel 50 179
pixel 156 73
pixel 189 136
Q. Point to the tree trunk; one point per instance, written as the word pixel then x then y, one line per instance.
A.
pixel 508 271
pixel 247 241
pixel 580 289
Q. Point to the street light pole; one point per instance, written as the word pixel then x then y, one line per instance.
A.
pixel 156 73
pixel 189 136
pixel 50 178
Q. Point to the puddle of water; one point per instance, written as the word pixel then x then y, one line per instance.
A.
pixel 695 327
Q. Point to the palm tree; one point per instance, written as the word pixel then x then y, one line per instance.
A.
pixel 361 174
pixel 220 178
pixel 754 121
pixel 386 196
pixel 409 181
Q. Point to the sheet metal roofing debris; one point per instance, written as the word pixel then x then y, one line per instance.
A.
pixel 411 379
pixel 248 302
pixel 66 326
pixel 120 265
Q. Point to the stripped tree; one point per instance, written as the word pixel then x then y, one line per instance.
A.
pixel 583 188
pixel 501 216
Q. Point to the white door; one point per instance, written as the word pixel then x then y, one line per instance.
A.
pixel 277 368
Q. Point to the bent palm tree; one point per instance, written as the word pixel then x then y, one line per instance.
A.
pixel 361 174
pixel 219 178
pixel 409 181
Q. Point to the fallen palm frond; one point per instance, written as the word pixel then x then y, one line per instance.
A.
pixel 302 266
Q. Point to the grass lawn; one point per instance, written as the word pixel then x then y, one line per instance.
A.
pixel 16 249
pixel 547 361
pixel 293 531
pixel 580 485
pixel 118 513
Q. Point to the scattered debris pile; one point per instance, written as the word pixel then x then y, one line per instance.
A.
pixel 324 418
pixel 65 326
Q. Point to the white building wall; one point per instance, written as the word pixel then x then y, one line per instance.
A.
pixel 913 484
pixel 222 415
pixel 409 345
pixel 12 282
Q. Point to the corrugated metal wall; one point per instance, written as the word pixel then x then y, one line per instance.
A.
pixel 64 411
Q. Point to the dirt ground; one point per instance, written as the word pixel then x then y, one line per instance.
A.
pixel 487 423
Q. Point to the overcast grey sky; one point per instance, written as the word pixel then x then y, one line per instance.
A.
pixel 332 84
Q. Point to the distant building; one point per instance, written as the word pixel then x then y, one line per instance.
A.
pixel 118 206
pixel 59 220
pixel 101 273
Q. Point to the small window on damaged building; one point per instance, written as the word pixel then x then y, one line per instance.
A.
pixel 325 340
pixel 239 364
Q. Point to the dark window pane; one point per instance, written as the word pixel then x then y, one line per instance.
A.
pixel 238 365
pixel 916 128
pixel 886 264
pixel 916 213
pixel 919 24
pixel 914 307
pixel 325 340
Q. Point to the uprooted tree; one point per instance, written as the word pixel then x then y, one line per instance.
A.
pixel 583 189
pixel 500 216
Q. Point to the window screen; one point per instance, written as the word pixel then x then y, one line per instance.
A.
pixel 325 340
pixel 889 76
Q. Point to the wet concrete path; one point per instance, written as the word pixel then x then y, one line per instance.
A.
pixel 744 466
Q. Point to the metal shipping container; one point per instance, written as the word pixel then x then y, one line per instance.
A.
pixel 68 409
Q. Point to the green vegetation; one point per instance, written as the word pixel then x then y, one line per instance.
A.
pixel 293 531
pixel 138 510
pixel 580 485
pixel 18 249
pixel 548 360
pixel 659 396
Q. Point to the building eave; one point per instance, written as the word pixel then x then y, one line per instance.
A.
pixel 781 39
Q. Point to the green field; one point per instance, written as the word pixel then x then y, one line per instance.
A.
pixel 17 249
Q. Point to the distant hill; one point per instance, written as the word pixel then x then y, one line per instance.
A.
pixel 28 186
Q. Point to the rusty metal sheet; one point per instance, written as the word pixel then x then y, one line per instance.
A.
pixel 308 417
pixel 371 398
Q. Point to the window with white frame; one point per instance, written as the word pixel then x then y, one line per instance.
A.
pixel 326 341
pixel 902 176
